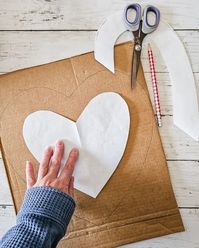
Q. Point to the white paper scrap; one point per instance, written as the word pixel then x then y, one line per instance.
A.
pixel 100 134
pixel 185 98
pixel 106 38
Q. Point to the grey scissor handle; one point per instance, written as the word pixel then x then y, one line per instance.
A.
pixel 146 27
pixel 133 25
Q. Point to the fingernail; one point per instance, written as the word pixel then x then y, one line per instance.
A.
pixel 48 148
pixel 59 143
pixel 75 150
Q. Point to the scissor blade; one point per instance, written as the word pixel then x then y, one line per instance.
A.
pixel 135 67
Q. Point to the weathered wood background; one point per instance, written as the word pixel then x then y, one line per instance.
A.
pixel 34 32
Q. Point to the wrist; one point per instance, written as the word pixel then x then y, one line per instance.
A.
pixel 48 202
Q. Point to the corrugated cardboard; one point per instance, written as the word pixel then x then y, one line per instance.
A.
pixel 137 202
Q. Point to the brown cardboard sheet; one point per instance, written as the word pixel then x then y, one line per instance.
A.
pixel 138 202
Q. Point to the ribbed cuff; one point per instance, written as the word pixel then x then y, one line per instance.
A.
pixel 48 202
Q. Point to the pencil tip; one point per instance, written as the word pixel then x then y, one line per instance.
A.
pixel 149 47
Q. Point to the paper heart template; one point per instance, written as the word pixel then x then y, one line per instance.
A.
pixel 100 134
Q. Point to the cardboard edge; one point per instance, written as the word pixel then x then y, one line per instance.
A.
pixel 159 136
pixel 59 60
pixel 155 230
pixel 5 164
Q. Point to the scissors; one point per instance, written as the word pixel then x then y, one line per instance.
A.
pixel 140 27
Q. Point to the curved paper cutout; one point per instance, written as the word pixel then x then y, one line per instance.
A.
pixel 185 99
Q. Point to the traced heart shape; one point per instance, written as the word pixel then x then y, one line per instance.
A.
pixel 100 134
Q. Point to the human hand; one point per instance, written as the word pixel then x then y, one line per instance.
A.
pixel 49 169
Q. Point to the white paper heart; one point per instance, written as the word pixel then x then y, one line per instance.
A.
pixel 100 134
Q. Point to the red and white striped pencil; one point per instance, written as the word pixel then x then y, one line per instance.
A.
pixel 155 86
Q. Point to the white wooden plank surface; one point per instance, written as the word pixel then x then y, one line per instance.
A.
pixel 24 49
pixel 87 14
pixel 187 239
pixel 177 145
pixel 184 178
pixel 7 218
pixel 5 194
pixel 19 49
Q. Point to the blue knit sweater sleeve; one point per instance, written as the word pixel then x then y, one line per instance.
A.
pixel 42 220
